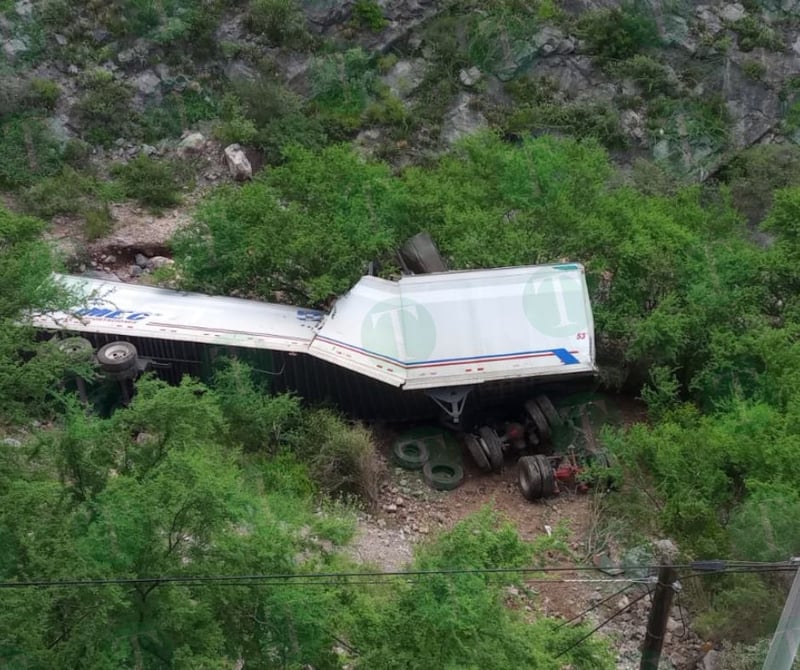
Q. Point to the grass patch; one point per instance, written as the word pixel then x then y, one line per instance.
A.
pixel 28 151
pixel 104 110
pixel 619 33
pixel 282 22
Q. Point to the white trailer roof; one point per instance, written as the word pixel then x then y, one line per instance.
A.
pixel 144 311
pixel 421 332
pixel 459 328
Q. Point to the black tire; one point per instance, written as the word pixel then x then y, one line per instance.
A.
pixel 539 419
pixel 443 476
pixel 117 356
pixel 77 348
pixel 476 451
pixel 410 454
pixel 547 474
pixel 549 410
pixel 493 445
pixel 529 478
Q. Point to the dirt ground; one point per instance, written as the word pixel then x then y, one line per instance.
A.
pixel 409 512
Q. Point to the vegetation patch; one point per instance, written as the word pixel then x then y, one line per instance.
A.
pixel 152 183
pixel 619 33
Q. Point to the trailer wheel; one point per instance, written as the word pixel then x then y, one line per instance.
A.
pixel 493 445
pixel 548 475
pixel 529 478
pixel 476 451
pixel 77 349
pixel 410 455
pixel 117 357
pixel 443 476
pixel 538 418
pixel 549 410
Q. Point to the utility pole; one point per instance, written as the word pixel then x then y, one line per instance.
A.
pixel 666 587
pixel 783 648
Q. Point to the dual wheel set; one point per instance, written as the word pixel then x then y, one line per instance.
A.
pixel 115 358
pixel 538 475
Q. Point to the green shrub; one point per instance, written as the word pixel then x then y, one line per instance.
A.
pixel 98 221
pixel 64 193
pixel 291 130
pixel 104 110
pixel 261 99
pixel 28 151
pixel 281 21
pixel 368 14
pixel 151 182
pixel 650 75
pixel 343 84
pixel 176 112
pixel 42 94
pixel 753 32
pixel 388 110
pixel 754 69
pixel 584 120
pixel 619 33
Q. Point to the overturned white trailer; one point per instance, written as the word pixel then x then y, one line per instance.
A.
pixel 385 348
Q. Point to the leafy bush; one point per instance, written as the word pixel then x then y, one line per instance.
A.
pixel 28 151
pixel 284 132
pixel 342 84
pixel 234 128
pixel 755 173
pixel 104 110
pixel 457 607
pixel 281 21
pixel 305 229
pixel 176 113
pixel 149 181
pixel 65 193
pixel 98 221
pixel 368 14
pixel 753 33
pixel 42 94
pixel 619 33
pixel 599 121
pixel 650 75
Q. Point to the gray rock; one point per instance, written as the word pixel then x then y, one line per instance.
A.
pixel 238 70
pixel 60 39
pixel 796 46
pixel 461 120
pixel 238 166
pixel 712 660
pixel 147 83
pixel 141 261
pixel 11 442
pixel 14 47
pixel 100 35
pixel 405 76
pixel 732 12
pixel 73 69
pixel 148 150
pixel 661 150
pixel 550 40
pixel 135 271
pixel 708 20
pixel 23 8
pixel 470 77
pixel 193 143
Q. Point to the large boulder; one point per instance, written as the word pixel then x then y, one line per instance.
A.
pixel 462 119
pixel 238 165
pixel 192 144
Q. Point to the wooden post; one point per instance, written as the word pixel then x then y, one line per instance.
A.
pixel 659 613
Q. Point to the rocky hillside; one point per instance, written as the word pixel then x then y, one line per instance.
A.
pixel 104 102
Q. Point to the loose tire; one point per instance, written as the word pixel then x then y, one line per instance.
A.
pixel 76 348
pixel 443 476
pixel 538 418
pixel 411 455
pixel 550 412
pixel 116 357
pixel 476 451
pixel 493 445
pixel 529 478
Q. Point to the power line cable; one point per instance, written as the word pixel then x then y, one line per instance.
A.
pixel 359 577
pixel 608 620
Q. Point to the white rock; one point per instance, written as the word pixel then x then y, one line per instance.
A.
pixel 238 165
pixel 159 262
pixel 470 77
pixel 193 143
pixel 732 12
